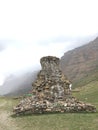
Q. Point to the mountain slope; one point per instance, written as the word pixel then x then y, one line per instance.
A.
pixel 81 64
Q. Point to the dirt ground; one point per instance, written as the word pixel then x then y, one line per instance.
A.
pixel 6 121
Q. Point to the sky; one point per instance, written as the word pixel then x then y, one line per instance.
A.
pixel 30 29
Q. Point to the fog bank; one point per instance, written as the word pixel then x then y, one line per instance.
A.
pixel 20 62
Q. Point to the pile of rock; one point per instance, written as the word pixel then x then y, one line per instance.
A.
pixel 51 92
pixel 70 104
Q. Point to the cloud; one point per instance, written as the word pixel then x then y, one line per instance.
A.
pixel 31 21
pixel 19 58
pixel 32 29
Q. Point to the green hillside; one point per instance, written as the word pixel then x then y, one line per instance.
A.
pixel 67 121
pixel 92 76
pixel 88 93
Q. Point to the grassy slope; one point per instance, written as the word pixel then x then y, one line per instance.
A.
pixel 92 76
pixel 67 121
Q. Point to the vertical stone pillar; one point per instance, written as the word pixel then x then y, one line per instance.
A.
pixel 51 81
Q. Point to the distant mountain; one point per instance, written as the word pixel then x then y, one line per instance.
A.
pixel 17 85
pixel 81 64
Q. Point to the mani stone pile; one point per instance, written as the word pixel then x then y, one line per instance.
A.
pixel 51 93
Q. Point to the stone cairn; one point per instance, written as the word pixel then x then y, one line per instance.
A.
pixel 51 93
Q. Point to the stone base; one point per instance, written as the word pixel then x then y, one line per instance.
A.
pixel 71 104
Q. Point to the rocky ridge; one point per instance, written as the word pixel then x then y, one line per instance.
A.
pixel 51 92
pixel 81 62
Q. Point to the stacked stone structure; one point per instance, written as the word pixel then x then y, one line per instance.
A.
pixel 51 92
